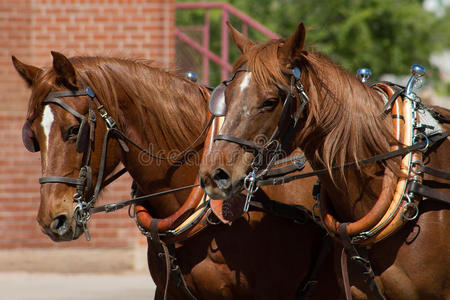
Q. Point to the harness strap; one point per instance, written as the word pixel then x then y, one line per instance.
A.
pixel 391 100
pixel 435 172
pixel 425 191
pixel 297 165
pixel 247 145
pixel 349 248
pixel 384 156
pixel 297 213
pixel 85 92
pixel 155 240
pixel 136 200
pixel 114 177
pixel 172 269
pixel 313 280
pixel 345 277
pixel 58 179
pixel 65 106
pixel 121 136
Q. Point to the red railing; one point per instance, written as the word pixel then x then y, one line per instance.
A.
pixel 203 48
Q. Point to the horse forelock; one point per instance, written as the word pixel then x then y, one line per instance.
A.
pixel 262 61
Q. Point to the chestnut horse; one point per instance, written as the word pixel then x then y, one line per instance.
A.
pixel 258 256
pixel 301 99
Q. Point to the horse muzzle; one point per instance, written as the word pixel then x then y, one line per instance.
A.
pixel 220 185
pixel 63 229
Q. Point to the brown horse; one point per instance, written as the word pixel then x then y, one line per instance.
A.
pixel 302 99
pixel 259 256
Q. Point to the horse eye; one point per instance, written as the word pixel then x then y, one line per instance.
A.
pixel 270 103
pixel 72 131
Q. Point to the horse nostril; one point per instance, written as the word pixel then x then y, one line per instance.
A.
pixel 60 225
pixel 222 179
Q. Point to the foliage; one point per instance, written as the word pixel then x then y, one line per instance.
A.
pixel 386 36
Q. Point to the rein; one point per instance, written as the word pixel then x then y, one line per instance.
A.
pixel 421 145
pixel 107 208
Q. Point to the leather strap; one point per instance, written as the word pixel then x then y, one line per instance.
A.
pixel 85 92
pixel 170 266
pixel 313 280
pixel 65 106
pixel 247 145
pixel 350 249
pixel 425 191
pixel 297 165
pixel 155 240
pixel 345 277
pixel 297 213
pixel 136 200
pixel 112 178
pixel 59 179
pixel 383 156
pixel 436 172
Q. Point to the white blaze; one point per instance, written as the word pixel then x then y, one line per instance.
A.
pixel 244 84
pixel 47 121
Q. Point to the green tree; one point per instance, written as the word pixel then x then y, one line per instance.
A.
pixel 386 36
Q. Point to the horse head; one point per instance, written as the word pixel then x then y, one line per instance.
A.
pixel 61 125
pixel 260 104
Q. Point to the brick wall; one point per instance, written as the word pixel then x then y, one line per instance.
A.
pixel 30 29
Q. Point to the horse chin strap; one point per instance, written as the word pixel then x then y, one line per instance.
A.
pixel 277 140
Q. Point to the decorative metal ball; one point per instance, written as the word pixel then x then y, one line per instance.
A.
pixel 364 74
pixel 417 70
pixel 191 76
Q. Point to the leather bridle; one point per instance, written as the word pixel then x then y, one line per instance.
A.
pixel 86 195
pixel 288 120
pixel 85 140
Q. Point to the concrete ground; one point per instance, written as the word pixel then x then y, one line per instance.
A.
pixel 73 274
pixel 60 286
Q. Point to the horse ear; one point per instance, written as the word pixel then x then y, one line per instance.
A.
pixel 64 69
pixel 27 72
pixel 294 45
pixel 241 41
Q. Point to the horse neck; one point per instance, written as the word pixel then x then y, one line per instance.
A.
pixel 344 125
pixel 164 132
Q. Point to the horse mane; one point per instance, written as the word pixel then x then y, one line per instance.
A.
pixel 345 120
pixel 162 100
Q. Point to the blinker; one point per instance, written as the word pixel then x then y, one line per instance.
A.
pixel 83 136
pixel 217 105
pixel 28 139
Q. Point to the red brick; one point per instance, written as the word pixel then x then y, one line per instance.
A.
pixel 71 27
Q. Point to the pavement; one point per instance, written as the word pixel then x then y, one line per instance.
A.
pixel 60 286
pixel 75 274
